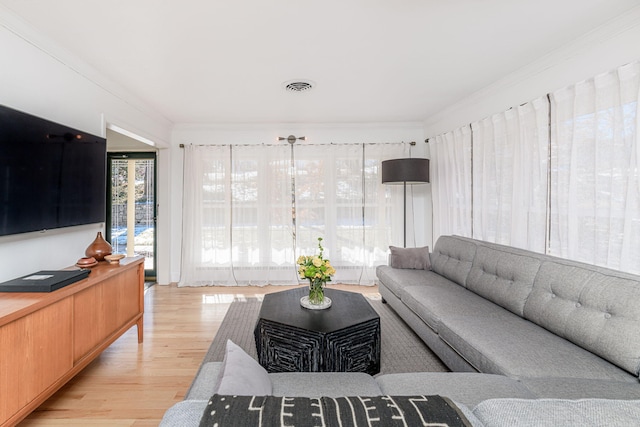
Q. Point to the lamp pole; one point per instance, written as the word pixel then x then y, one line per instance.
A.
pixel 405 215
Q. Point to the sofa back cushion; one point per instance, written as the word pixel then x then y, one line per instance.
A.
pixel 595 308
pixel 452 258
pixel 504 277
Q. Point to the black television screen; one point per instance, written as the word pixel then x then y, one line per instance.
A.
pixel 51 176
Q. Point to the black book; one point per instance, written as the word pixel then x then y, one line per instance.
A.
pixel 44 281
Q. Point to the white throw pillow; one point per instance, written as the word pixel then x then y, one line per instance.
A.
pixel 242 375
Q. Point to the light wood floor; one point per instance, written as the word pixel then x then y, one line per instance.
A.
pixel 133 384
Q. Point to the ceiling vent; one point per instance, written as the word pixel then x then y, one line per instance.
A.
pixel 298 85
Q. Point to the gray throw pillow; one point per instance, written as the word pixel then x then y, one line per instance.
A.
pixel 242 375
pixel 413 258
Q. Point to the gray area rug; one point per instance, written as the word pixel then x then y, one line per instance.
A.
pixel 402 350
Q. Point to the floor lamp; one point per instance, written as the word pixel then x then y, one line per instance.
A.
pixel 405 171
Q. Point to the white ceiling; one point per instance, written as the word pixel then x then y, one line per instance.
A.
pixel 215 61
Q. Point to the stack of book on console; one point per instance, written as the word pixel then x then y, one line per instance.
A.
pixel 44 281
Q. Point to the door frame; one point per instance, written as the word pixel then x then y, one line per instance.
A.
pixel 149 274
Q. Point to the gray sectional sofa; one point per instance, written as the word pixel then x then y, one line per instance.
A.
pixel 542 320
pixel 532 340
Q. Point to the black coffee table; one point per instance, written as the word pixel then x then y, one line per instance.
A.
pixel 343 338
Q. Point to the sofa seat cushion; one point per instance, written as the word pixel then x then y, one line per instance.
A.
pixel 558 412
pixel 512 346
pixel 596 308
pixel 396 279
pixel 503 277
pixel 318 384
pixel 582 388
pixel 435 303
pixel 463 387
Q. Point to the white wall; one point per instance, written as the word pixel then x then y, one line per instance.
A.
pixel 268 134
pixel 603 49
pixel 39 78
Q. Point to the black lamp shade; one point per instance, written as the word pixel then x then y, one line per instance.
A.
pixel 409 171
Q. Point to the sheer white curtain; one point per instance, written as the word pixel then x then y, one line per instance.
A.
pixel 243 225
pixel 339 197
pixel 595 204
pixel 451 183
pixel 261 218
pixel 383 225
pixel 206 239
pixel 329 195
pixel 510 152
pixel 237 219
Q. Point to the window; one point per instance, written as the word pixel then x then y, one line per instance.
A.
pixel 250 210
pixel 558 175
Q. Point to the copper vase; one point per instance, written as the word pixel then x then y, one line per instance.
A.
pixel 99 248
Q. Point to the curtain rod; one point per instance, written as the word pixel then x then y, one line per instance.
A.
pixel 284 145
pixel 548 95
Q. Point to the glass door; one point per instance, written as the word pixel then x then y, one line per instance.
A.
pixel 131 216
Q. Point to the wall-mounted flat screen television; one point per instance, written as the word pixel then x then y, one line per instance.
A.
pixel 51 176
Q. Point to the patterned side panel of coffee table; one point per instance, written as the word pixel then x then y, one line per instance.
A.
pixel 355 349
pixel 284 348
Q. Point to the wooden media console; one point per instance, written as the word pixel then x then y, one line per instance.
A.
pixel 47 338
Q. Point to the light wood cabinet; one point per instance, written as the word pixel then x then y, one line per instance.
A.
pixel 47 338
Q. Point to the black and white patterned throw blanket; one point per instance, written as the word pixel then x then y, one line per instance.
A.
pixel 387 411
